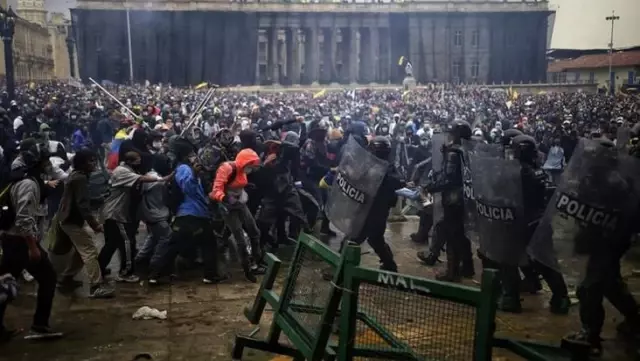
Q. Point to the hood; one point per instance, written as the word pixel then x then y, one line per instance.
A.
pixel 18 163
pixel 247 157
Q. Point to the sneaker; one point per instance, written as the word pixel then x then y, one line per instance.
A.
pixel 42 332
pixel 215 280
pixel 128 278
pixel 559 305
pixel 258 269
pixel 27 276
pixel 101 292
pixel 583 341
pixel 427 258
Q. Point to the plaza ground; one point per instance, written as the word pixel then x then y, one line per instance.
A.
pixel 203 319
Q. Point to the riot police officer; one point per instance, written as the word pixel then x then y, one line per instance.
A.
pixel 535 187
pixel 449 183
pixel 603 279
pixel 385 199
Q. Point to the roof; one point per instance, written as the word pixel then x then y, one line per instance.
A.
pixel 594 61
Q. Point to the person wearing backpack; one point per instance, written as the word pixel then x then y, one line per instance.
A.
pixel 20 241
pixel 73 214
pixel 192 226
pixel 228 191
pixel 119 227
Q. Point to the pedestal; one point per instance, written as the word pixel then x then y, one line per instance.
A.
pixel 409 83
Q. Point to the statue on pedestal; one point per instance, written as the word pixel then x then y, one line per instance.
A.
pixel 409 81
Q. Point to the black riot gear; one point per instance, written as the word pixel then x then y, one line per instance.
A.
pixel 525 148
pixel 460 129
pixel 380 146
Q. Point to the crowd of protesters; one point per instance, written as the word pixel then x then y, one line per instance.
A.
pixel 228 179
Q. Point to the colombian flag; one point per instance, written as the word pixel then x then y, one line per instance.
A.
pixel 112 158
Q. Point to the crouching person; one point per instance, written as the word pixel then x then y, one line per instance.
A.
pixel 228 191
pixel 73 213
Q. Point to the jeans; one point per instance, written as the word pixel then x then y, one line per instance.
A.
pixel 189 232
pixel 15 259
pixel 156 246
pixel 239 219
pixel 118 236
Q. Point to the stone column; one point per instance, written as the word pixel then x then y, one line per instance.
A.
pixel 311 53
pixel 374 53
pixel 258 75
pixel 272 59
pixel 366 61
pixel 350 54
pixel 293 57
pixel 329 54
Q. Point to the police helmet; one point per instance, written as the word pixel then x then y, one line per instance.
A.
pixel 380 146
pixel 461 129
pixel 525 148
pixel 509 134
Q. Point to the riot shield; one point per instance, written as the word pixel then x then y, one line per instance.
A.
pixel 591 211
pixel 359 175
pixel 622 137
pixel 472 147
pixel 499 220
pixel 437 142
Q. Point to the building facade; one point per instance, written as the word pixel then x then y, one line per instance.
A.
pixel 32 50
pixel 475 41
pixel 594 69
pixel 59 32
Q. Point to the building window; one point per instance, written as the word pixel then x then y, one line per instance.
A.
pixel 457 38
pixel 455 71
pixel 592 78
pixel 475 38
pixel 562 77
pixel 262 51
pixel 475 70
pixel 577 77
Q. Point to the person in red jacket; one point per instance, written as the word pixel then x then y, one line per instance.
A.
pixel 228 191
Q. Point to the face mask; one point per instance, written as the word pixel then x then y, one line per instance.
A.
pixel 157 145
pixel 424 143
pixel 249 170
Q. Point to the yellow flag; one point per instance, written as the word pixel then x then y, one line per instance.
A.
pixel 32 85
pixel 515 95
pixel 320 93
pixel 201 85
pixel 405 93
pixel 401 60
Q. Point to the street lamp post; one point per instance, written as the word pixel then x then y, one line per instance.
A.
pixel 612 79
pixel 72 61
pixel 7 29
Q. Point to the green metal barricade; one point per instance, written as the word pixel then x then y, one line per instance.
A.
pixel 381 315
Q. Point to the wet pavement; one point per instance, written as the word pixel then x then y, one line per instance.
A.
pixel 203 319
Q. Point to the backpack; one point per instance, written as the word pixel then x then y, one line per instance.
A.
pixel 7 211
pixel 175 196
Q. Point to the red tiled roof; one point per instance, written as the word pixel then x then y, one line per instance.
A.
pixel 620 59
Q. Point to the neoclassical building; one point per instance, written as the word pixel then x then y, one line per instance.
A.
pixel 291 42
